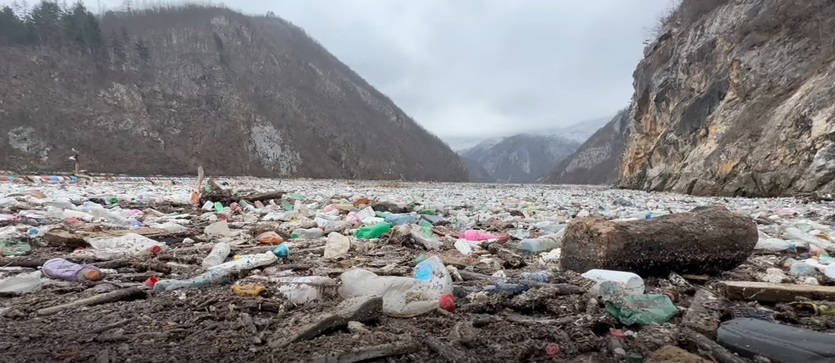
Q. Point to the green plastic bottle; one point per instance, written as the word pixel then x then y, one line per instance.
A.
pixel 374 231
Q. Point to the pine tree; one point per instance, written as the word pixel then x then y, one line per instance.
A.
pixel 143 51
pixel 11 27
pixel 117 49
pixel 45 19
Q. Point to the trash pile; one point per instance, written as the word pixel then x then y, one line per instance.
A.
pixel 246 269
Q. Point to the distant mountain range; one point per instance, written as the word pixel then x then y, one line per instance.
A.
pixel 524 157
pixel 596 160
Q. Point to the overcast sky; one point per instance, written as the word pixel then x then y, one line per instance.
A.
pixel 481 67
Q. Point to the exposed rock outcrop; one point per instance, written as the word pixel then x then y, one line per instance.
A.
pixel 597 159
pixel 736 98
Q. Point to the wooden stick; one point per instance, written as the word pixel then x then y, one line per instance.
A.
pixel 95 300
pixel 107 327
pixel 361 354
pixel 709 348
pixel 767 292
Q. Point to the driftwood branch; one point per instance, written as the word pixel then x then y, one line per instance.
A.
pixel 96 300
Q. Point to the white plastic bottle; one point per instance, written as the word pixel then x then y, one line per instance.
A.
pixel 402 296
pixel 540 244
pixel 615 283
pixel 218 254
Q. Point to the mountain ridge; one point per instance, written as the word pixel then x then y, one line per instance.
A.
pixel 204 85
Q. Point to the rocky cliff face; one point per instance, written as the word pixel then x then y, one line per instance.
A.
pixel 596 160
pixel 520 158
pixel 736 98
pixel 237 94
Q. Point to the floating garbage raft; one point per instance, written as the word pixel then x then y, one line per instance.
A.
pixel 258 270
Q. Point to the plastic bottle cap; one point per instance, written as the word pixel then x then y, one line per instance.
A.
pixel 448 303
pixel 552 349
pixel 156 249
pixel 92 275
pixel 151 281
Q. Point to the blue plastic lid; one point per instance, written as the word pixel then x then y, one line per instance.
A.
pixel 423 271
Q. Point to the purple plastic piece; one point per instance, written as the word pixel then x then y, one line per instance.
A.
pixel 59 268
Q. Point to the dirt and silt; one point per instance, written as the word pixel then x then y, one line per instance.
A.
pixel 547 322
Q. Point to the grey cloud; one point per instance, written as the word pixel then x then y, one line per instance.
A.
pixel 483 68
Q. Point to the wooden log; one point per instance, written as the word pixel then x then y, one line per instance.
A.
pixel 367 353
pixel 112 296
pixel 708 348
pixel 445 351
pixel 704 313
pixel 359 309
pixel 767 292
pixel 706 240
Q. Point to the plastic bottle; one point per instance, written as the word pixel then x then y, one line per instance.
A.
pixel 307 233
pixel 402 296
pixel 59 268
pixel 374 231
pixel 473 235
pixel 749 337
pixel 541 276
pixel 424 236
pixel 541 244
pixel 400 219
pixel 218 274
pixel 614 283
pixel 218 254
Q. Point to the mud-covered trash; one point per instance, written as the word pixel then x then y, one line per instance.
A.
pixel 248 290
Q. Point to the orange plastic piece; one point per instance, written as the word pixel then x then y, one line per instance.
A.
pixel 269 238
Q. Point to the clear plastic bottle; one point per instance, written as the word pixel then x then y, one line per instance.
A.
pixel 612 284
pixel 218 254
pixel 402 296
pixel 307 233
pixel 219 274
pixel 400 219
